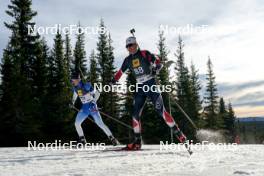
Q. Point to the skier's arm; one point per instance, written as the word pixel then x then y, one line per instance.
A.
pixel 74 97
pixel 120 72
pixel 155 62
pixel 94 93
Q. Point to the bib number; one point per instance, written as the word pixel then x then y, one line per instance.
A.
pixel 86 98
pixel 138 70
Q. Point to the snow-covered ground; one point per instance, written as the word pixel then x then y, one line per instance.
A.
pixel 245 160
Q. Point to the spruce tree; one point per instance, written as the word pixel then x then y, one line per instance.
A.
pixel 108 100
pixel 59 95
pixel 68 54
pixel 93 71
pixel 183 91
pixel 221 114
pixel 230 123
pixel 40 67
pixel 183 79
pixel 222 106
pixel 79 62
pixel 102 55
pixel 196 104
pixel 20 56
pixel 40 82
pixel 110 71
pixel 211 97
pixel 106 70
pixel 164 72
pixel 9 125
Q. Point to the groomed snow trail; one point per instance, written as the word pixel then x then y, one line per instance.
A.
pixel 244 160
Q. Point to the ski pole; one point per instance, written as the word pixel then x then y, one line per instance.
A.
pixel 118 121
pixel 82 73
pixel 186 115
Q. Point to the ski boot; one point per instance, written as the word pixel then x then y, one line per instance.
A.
pixel 81 140
pixel 135 145
pixel 182 138
pixel 113 140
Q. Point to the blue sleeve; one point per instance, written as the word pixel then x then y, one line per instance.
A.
pixel 88 87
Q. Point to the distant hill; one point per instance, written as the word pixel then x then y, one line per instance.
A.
pixel 250 130
pixel 250 119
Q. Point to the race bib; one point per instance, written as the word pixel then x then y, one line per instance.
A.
pixel 86 98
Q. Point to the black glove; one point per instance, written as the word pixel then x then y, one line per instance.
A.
pixel 156 69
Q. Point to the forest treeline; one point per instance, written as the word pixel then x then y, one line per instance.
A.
pixel 35 89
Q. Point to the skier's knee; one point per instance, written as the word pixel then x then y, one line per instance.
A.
pixel 100 124
pixel 98 120
pixel 168 119
pixel 77 124
pixel 159 106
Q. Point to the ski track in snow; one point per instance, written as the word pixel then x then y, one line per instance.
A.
pixel 245 160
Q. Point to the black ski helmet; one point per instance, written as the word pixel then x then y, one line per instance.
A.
pixel 75 75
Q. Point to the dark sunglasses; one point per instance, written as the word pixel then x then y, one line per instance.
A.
pixel 129 45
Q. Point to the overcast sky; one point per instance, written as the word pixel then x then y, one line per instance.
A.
pixel 233 36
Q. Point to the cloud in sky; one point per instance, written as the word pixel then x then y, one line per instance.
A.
pixel 244 96
pixel 236 52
